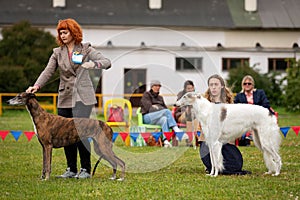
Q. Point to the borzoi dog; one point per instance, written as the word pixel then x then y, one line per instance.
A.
pixel 222 123
pixel 54 131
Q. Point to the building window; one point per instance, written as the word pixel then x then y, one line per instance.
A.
pixel 155 4
pixel 278 64
pixel 188 64
pixel 231 63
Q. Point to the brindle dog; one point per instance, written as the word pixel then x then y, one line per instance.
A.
pixel 54 131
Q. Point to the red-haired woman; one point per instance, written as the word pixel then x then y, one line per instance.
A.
pixel 76 95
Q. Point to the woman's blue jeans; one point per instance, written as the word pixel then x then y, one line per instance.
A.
pixel 163 118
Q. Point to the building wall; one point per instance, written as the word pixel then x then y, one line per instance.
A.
pixel 163 45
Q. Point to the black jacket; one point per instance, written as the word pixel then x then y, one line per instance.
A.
pixel 259 98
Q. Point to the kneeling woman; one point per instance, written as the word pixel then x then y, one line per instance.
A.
pixel 217 92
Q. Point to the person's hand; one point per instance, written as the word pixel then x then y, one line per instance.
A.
pixel 188 110
pixel 88 65
pixel 32 89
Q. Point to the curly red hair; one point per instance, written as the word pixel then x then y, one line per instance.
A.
pixel 73 27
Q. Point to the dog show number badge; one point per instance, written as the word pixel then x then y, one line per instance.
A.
pixel 77 57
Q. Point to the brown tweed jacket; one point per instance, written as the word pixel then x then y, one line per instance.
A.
pixel 75 82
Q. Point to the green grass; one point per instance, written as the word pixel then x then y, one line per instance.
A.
pixel 179 172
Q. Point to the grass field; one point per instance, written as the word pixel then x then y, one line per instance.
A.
pixel 178 172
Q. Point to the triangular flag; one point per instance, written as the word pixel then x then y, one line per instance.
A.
pixel 156 135
pixel 146 136
pixel 134 136
pixel 179 135
pixel 296 129
pixel 168 135
pixel 16 134
pixel 115 135
pixel 198 133
pixel 3 134
pixel 29 134
pixel 123 135
pixel 285 130
pixel 190 135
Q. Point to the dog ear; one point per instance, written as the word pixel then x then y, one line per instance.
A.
pixel 198 95
pixel 32 95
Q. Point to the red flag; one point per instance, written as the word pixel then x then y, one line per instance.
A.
pixel 29 134
pixel 296 129
pixel 190 135
pixel 146 136
pixel 3 134
pixel 168 135
pixel 123 135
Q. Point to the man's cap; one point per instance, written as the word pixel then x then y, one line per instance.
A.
pixel 155 82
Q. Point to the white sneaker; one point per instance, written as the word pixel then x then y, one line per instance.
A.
pixel 83 174
pixel 167 144
pixel 68 174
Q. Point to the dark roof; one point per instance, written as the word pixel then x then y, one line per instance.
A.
pixel 228 14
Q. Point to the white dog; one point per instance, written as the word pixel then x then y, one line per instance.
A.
pixel 222 123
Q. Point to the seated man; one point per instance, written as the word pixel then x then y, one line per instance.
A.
pixel 155 111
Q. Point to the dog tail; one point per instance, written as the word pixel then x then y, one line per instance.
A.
pixel 96 165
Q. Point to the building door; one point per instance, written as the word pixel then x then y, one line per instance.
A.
pixel 135 83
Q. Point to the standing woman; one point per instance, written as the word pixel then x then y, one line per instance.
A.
pixel 217 92
pixel 76 95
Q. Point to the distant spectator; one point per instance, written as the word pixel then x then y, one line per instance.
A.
pixel 251 95
pixel 155 111
pixel 183 114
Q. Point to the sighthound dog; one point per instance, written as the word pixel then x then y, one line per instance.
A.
pixel 54 131
pixel 222 123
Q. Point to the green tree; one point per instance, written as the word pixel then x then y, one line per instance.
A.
pixel 292 97
pixel 268 82
pixel 24 52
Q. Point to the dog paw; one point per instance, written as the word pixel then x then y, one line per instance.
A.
pixel 268 173
pixel 120 179
pixel 112 178
pixel 276 174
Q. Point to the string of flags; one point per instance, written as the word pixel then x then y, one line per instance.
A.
pixel 134 135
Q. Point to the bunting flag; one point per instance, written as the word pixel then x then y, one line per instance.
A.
pixel 190 135
pixel 179 135
pixel 168 135
pixel 123 135
pixel 3 134
pixel 146 136
pixel 115 135
pixel 29 135
pixel 16 134
pixel 284 130
pixel 296 129
pixel 134 136
pixel 198 133
pixel 156 135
